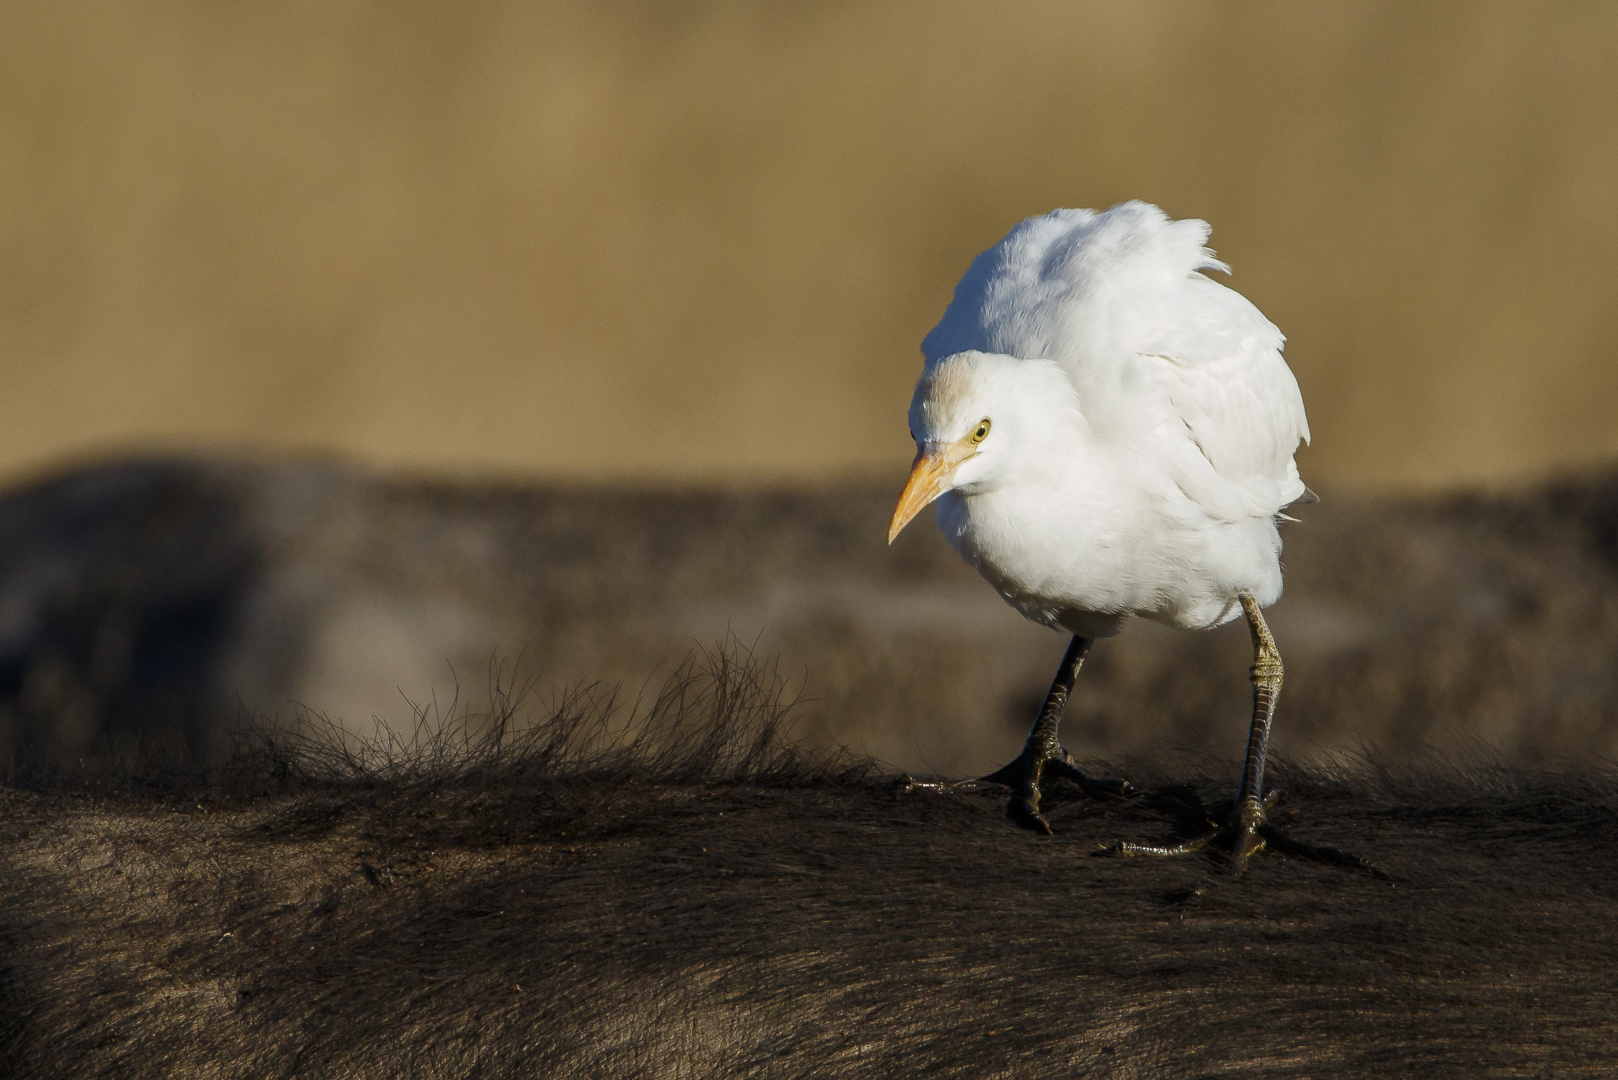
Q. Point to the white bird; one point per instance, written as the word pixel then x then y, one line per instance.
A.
pixel 1109 432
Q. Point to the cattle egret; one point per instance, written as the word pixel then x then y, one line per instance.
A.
pixel 1109 432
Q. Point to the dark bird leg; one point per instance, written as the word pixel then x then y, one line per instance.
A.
pixel 1248 831
pixel 1266 674
pixel 1042 755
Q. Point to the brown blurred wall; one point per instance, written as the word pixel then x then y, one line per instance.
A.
pixel 700 241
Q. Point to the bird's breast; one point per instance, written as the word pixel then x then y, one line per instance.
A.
pixel 1083 560
pixel 1064 562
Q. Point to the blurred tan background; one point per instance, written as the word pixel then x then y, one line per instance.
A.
pixel 700 241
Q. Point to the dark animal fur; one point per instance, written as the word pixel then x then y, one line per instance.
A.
pixel 688 896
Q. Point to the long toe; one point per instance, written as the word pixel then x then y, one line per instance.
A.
pixel 1097 787
pixel 1281 843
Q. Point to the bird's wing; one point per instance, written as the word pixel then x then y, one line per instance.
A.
pixel 1162 356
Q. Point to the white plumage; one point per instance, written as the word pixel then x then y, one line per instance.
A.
pixel 1141 425
pixel 1109 432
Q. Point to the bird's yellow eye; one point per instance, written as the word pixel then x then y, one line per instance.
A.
pixel 981 432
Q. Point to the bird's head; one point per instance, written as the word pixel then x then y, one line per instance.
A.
pixel 976 417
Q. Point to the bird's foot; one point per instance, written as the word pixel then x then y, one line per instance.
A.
pixel 1247 832
pixel 1244 835
pixel 1042 759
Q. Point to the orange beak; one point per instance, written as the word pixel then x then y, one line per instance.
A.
pixel 931 474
